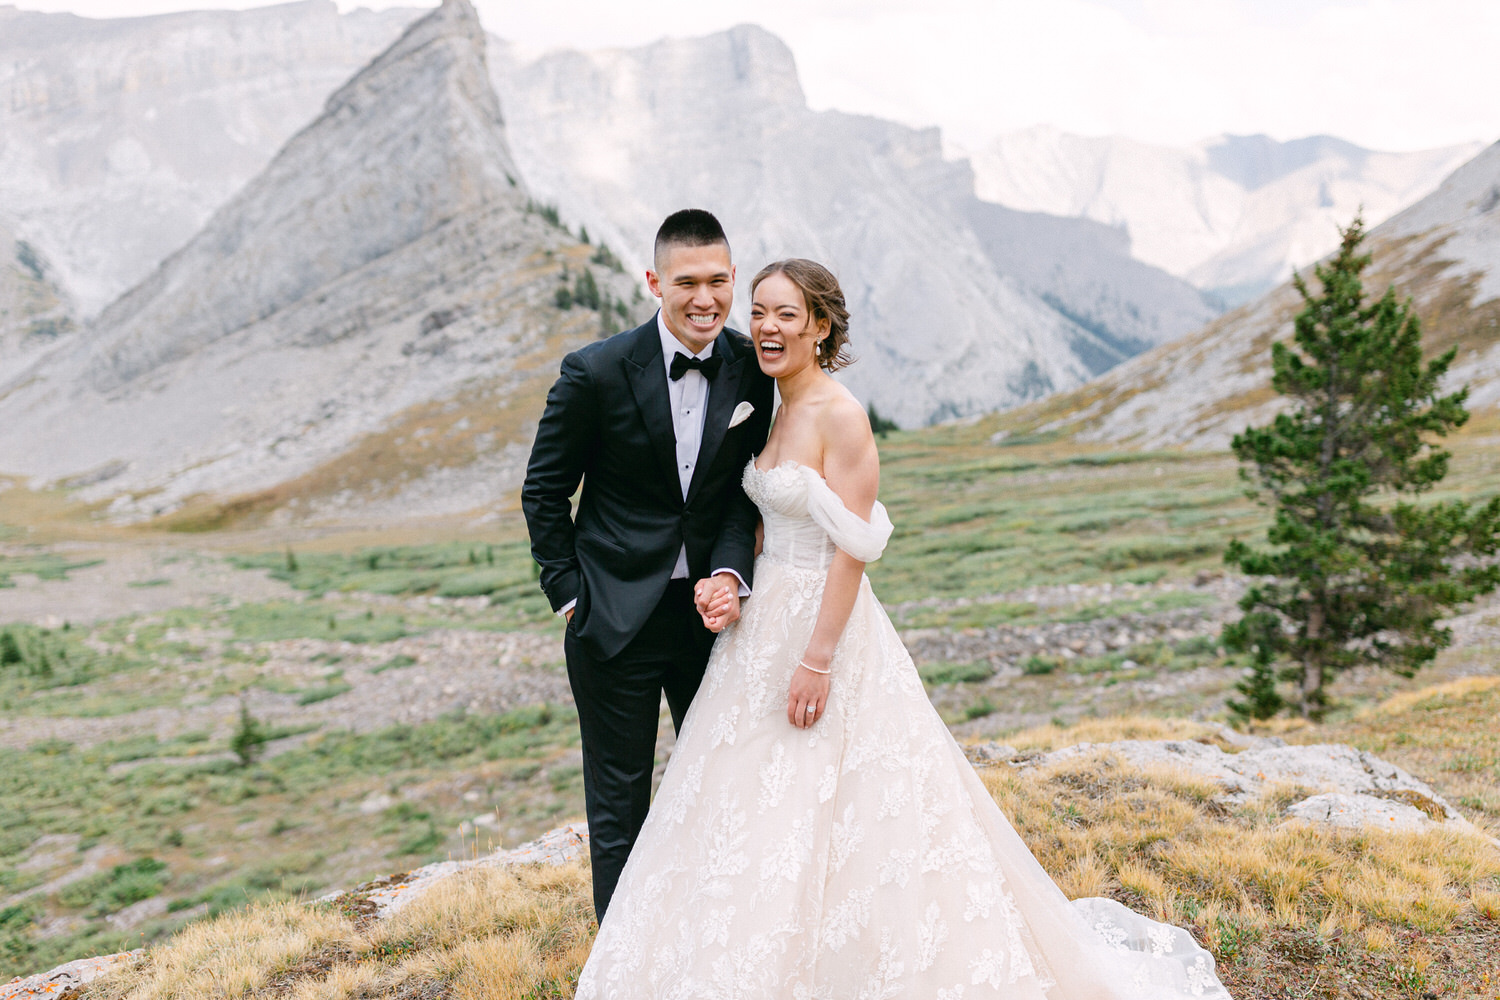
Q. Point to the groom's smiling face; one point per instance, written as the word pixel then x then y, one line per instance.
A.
pixel 696 288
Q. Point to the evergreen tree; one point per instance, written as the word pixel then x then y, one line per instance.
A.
pixel 1261 698
pixel 606 258
pixel 586 290
pixel 1356 572
pixel 880 425
pixel 249 738
pixel 10 650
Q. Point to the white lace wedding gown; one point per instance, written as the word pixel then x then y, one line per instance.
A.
pixel 862 858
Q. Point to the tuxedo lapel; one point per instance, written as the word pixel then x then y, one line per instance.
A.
pixel 646 372
pixel 723 393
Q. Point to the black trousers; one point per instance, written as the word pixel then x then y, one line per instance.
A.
pixel 619 701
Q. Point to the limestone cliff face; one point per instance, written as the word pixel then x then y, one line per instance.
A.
pixel 118 138
pixel 1443 252
pixel 383 268
pixel 959 307
pixel 412 142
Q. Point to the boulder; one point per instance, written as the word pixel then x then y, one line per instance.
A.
pixel 1347 787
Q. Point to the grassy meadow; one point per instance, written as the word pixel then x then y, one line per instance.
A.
pixel 409 682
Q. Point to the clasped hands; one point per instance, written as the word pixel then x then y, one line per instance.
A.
pixel 717 599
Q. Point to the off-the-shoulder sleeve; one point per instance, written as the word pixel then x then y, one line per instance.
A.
pixel 864 540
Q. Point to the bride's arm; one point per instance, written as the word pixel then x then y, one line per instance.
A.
pixel 851 465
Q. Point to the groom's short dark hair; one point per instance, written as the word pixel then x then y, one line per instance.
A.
pixel 690 227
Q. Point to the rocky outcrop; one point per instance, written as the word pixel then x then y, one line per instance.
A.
pixel 388 895
pixel 65 978
pixel 1345 787
pixel 386 266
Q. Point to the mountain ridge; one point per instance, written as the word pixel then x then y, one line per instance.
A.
pixel 276 358
pixel 1443 253
pixel 1231 214
pixel 119 137
pixel 947 328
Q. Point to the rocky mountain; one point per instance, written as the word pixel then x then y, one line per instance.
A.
pixel 959 307
pixel 120 137
pixel 1443 252
pixel 372 312
pixel 34 310
pixel 1231 214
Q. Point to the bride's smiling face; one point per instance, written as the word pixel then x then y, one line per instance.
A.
pixel 786 335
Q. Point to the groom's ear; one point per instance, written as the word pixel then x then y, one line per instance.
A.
pixel 653 282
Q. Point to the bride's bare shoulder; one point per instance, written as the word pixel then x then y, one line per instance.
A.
pixel 843 421
pixel 851 461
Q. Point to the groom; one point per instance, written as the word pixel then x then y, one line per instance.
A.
pixel 658 423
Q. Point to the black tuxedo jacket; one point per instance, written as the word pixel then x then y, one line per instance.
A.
pixel 608 422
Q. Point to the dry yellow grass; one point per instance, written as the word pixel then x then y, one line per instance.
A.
pixel 1053 737
pixel 485 934
pixel 234 956
pixel 1159 840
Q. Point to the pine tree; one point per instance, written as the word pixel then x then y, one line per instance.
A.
pixel 880 425
pixel 1356 572
pixel 249 738
pixel 10 650
pixel 586 290
pixel 1261 698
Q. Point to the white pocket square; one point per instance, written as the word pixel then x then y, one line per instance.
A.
pixel 741 413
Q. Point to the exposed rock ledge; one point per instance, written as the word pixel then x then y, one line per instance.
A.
pixel 1345 787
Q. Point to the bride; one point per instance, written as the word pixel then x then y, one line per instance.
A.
pixel 818 834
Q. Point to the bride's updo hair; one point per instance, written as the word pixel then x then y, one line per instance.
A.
pixel 825 300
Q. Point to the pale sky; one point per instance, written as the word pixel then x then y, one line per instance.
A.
pixel 1387 74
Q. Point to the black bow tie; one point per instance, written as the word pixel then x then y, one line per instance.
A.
pixel 709 366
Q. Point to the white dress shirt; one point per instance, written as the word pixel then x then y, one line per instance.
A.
pixel 689 399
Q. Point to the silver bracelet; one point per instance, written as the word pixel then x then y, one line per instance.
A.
pixel 804 666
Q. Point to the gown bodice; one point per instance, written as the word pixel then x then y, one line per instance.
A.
pixel 806 522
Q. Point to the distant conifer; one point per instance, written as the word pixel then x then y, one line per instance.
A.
pixel 249 738
pixel 586 290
